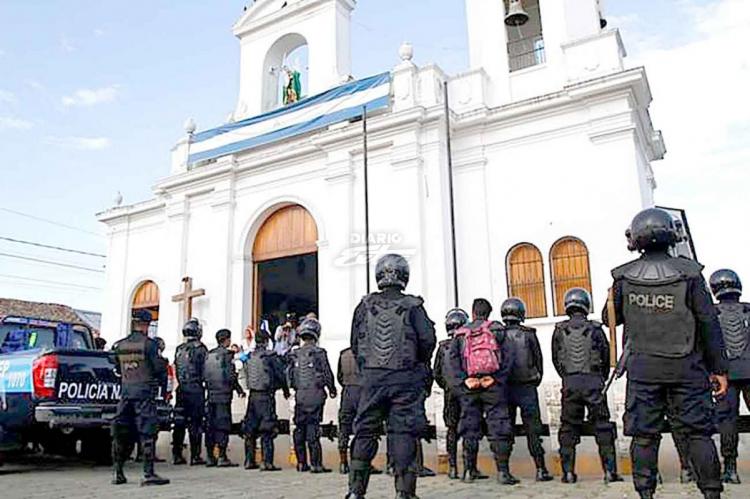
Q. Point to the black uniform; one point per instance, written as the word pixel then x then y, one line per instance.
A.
pixel 674 342
pixel 189 360
pixel 392 337
pixel 221 382
pixel 140 369
pixel 309 375
pixel 264 372
pixel 451 402
pixel 350 379
pixel 580 354
pixel 525 376
pixel 734 317
pixel 489 403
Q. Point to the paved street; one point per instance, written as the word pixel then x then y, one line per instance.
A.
pixel 57 478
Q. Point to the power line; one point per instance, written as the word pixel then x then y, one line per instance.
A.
pixel 58 248
pixel 59 283
pixel 52 222
pixel 50 262
pixel 50 286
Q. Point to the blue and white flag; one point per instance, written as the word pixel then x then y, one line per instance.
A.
pixel 342 103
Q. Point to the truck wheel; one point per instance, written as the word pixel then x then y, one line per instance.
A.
pixel 97 447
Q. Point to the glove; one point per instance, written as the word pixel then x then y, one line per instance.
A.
pixel 244 357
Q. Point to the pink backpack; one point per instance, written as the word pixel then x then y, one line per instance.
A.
pixel 481 351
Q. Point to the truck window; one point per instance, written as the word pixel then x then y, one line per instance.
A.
pixel 18 338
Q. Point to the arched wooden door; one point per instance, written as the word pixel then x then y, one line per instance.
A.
pixel 146 297
pixel 285 265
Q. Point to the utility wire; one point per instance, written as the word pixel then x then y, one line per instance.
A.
pixel 50 262
pixel 57 248
pixel 50 286
pixel 58 283
pixel 52 222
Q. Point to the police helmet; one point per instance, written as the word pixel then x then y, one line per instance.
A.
pixel 309 327
pixel 392 271
pixel 513 310
pixel 455 318
pixel 725 282
pixel 192 329
pixel 652 228
pixel 577 299
pixel 222 335
pixel 141 316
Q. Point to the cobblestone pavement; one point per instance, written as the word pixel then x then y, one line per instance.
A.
pixel 54 478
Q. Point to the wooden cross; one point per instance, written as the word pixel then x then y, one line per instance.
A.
pixel 186 298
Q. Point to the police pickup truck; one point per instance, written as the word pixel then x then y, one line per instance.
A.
pixel 57 391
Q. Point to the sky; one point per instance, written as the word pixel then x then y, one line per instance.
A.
pixel 93 94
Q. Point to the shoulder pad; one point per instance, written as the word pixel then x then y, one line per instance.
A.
pixel 322 351
pixel 596 323
pixel 526 328
pixel 619 272
pixel 562 324
pixel 670 269
pixel 413 301
pixel 690 265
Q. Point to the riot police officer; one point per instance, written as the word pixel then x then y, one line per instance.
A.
pixel 392 337
pixel 138 365
pixel 310 375
pixel 221 382
pixel 675 352
pixel 580 354
pixel 734 317
pixel 189 360
pixel 479 363
pixel 264 372
pixel 525 377
pixel 454 319
pixel 348 376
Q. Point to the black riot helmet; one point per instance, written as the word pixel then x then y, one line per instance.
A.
pixel 513 310
pixel 160 344
pixel 392 271
pixel 577 299
pixel 309 328
pixel 652 229
pixel 454 319
pixel 222 335
pixel 192 329
pixel 725 282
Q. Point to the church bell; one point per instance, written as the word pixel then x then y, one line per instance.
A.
pixel 516 15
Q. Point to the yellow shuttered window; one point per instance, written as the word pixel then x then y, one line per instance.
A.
pixel 570 269
pixel 525 272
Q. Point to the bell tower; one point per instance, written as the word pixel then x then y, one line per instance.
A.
pixel 271 30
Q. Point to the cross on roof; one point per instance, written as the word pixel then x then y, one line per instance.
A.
pixel 186 298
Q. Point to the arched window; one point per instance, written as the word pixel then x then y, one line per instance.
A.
pixel 570 269
pixel 525 272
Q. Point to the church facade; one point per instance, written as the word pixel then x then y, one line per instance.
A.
pixel 551 147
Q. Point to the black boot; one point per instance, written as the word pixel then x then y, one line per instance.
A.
pixel 224 461
pixel 316 457
pixel 568 463
pixel 119 476
pixel 609 465
pixel 118 459
pixel 149 476
pixel 177 458
pixel 267 450
pixel 424 472
pixel 730 472
pixel 250 447
pixel 471 449
pixel 343 461
pixel 646 494
pixel 501 450
pixel 300 450
pixel 359 478
pixel 451 444
pixel 195 451
pixel 542 474
pixel 406 484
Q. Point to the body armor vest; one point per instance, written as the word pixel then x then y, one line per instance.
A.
pixel 258 372
pixel 218 370
pixel 131 355
pixel 578 356
pixel 306 376
pixel 186 363
pixel 657 317
pixel 735 326
pixel 524 369
pixel 349 370
pixel 389 340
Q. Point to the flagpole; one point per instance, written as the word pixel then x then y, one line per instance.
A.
pixel 367 196
pixel 450 191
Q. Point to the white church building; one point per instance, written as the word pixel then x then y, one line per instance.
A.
pixel 547 157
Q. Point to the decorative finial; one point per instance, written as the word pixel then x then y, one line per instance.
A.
pixel 118 199
pixel 190 126
pixel 406 52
